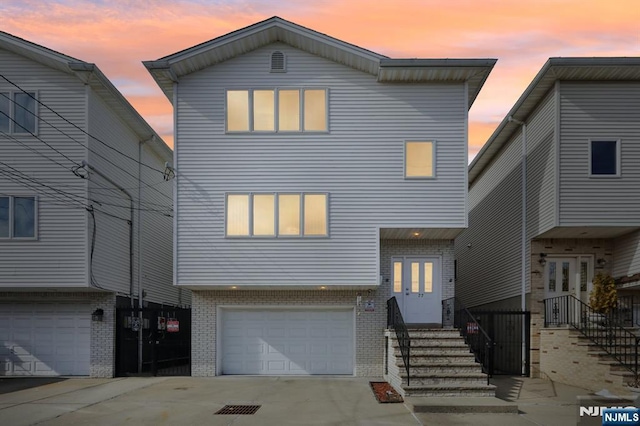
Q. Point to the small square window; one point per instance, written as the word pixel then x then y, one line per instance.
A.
pixel 604 157
pixel 419 159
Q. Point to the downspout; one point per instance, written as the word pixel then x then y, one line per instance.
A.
pixel 523 248
pixel 124 191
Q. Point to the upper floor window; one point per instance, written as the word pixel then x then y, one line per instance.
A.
pixel 18 112
pixel 419 159
pixel 604 157
pixel 17 217
pixel 281 214
pixel 277 110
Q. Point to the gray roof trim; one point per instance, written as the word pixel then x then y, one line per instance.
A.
pixel 568 69
pixel 167 70
pixel 88 73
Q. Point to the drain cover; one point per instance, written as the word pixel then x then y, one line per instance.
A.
pixel 238 409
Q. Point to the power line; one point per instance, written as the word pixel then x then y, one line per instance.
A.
pixel 80 143
pixel 7 136
pixel 74 197
pixel 80 128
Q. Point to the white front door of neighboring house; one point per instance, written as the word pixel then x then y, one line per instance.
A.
pixel 417 287
pixel 567 276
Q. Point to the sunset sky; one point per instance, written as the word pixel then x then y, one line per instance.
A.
pixel 118 34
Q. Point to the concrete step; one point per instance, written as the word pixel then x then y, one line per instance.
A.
pixel 450 390
pixel 437 350
pixel 460 357
pixel 425 369
pixel 454 334
pixel 487 404
pixel 431 343
pixel 427 379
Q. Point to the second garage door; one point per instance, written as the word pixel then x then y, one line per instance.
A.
pixel 286 341
pixel 44 339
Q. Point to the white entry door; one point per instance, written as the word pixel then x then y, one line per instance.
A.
pixel 568 276
pixel 417 286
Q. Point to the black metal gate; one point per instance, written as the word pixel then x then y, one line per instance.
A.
pixel 166 341
pixel 505 328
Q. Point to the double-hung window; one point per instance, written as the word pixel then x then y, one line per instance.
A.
pixel 604 157
pixel 18 217
pixel 277 110
pixel 18 112
pixel 277 215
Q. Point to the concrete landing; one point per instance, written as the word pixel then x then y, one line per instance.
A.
pixel 461 405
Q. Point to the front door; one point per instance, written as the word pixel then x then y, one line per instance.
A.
pixel 568 276
pixel 417 286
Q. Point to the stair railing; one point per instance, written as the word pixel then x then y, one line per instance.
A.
pixel 396 322
pixel 474 335
pixel 604 329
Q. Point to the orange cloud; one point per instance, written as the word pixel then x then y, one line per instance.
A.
pixel 118 34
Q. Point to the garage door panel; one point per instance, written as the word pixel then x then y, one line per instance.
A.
pixel 45 339
pixel 294 341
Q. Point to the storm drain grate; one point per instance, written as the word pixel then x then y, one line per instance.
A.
pixel 238 409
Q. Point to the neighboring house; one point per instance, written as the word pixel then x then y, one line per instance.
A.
pixel 84 213
pixel 315 180
pixel 580 122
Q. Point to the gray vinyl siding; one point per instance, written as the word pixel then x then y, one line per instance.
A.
pixel 490 270
pixel 58 258
pixel 111 256
pixel 541 168
pixel 359 162
pixel 626 256
pixel 599 110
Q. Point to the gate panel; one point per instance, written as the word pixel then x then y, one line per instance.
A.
pixel 166 341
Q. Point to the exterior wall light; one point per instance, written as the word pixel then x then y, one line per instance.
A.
pixel 97 315
pixel 543 259
pixel 602 262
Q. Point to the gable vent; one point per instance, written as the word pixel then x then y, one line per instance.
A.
pixel 277 62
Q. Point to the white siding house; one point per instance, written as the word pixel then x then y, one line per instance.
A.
pixel 69 238
pixel 311 175
pixel 580 123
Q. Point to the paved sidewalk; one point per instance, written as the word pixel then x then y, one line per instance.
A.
pixel 284 401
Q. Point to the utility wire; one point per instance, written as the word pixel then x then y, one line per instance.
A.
pixel 16 140
pixel 80 128
pixel 78 142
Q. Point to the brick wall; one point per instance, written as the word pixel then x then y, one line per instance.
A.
pixel 369 325
pixel 565 358
pixel 598 248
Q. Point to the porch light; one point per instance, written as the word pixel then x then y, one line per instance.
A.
pixel 416 234
pixel 323 288
pixel 542 260
pixel 602 262
pixel 97 315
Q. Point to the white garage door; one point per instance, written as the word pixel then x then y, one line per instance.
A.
pixel 44 339
pixel 280 342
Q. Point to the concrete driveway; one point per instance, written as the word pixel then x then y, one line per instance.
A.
pixel 284 401
pixel 193 401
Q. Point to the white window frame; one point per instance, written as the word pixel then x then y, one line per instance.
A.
pixel 276 215
pixel 11 237
pixel 12 111
pixel 276 98
pixel 433 157
pixel 618 158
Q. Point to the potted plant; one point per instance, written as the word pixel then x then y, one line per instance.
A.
pixel 604 297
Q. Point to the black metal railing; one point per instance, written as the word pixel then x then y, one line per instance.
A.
pixel 396 322
pixel 627 310
pixel 607 330
pixel 474 334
